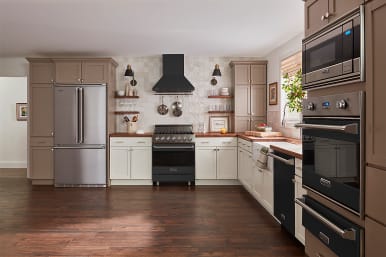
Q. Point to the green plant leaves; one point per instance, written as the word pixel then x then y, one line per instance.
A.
pixel 292 86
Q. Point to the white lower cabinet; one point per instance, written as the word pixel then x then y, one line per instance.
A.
pixel 263 187
pixel 216 158
pixel 130 161
pixel 299 192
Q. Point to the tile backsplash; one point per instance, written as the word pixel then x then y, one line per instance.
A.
pixel 148 70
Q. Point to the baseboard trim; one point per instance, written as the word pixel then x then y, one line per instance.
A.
pixel 13 164
pixel 217 182
pixel 128 182
pixel 42 182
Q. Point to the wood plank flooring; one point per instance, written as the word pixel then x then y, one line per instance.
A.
pixel 137 221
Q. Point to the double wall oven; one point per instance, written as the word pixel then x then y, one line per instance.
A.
pixel 333 168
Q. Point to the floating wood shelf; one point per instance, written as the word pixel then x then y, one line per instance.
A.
pixel 126 112
pixel 221 112
pixel 220 96
pixel 125 97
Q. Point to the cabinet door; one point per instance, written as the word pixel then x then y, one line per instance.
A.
pixel 242 124
pixel 242 100
pixel 375 193
pixel 241 164
pixel 41 159
pixel 206 163
pixel 140 163
pixel 375 82
pixel 375 238
pixel 314 11
pixel 258 100
pixel 338 8
pixel 41 72
pixel 267 191
pixel 258 74
pixel 227 163
pixel 299 228
pixel 94 72
pixel 258 180
pixel 41 110
pixel 68 71
pixel 249 170
pixel 119 163
pixel 242 74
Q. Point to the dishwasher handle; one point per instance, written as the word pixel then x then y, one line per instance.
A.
pixel 348 234
pixel 290 162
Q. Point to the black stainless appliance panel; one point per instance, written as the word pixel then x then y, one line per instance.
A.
pixel 284 191
pixel 344 240
pixel 332 163
pixel 173 159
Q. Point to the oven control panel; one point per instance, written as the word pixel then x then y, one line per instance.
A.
pixel 348 104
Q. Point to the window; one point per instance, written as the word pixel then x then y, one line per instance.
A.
pixel 289 65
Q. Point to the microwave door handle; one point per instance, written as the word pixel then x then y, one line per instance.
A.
pixel 349 128
pixel 348 234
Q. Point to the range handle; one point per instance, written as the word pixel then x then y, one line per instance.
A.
pixel 348 234
pixel 349 128
pixel 288 162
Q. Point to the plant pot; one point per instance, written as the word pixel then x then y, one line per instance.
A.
pixel 131 127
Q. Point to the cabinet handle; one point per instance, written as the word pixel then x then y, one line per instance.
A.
pixel 319 255
pixel 293 180
pixel 52 133
pixel 141 142
pixel 79 80
pixel 82 80
pixel 41 142
pixel 205 142
pixel 118 142
pixel 322 18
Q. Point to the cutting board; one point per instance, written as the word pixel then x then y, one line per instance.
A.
pixel 263 134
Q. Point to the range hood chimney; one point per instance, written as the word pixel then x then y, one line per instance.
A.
pixel 173 80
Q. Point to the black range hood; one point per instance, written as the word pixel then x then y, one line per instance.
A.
pixel 173 80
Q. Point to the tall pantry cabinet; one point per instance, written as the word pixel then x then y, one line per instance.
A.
pixel 375 191
pixel 250 83
pixel 43 74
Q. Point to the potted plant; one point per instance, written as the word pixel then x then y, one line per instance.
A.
pixel 292 86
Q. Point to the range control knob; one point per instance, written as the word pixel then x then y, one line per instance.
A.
pixel 341 104
pixel 310 106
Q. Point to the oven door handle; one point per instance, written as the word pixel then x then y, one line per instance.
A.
pixel 190 147
pixel 290 162
pixel 349 128
pixel 348 234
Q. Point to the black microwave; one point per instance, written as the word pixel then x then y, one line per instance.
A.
pixel 335 55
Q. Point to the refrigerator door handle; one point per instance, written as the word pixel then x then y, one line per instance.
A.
pixel 80 147
pixel 77 139
pixel 81 122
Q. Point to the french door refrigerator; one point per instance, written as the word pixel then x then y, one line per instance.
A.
pixel 80 135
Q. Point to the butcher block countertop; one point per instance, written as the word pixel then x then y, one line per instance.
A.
pixel 294 150
pixel 215 134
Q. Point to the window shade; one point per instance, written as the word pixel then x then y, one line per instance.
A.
pixel 291 64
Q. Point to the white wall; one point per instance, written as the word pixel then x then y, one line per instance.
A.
pixel 274 58
pixel 148 70
pixel 13 133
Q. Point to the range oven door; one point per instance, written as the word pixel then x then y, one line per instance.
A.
pixel 172 161
pixel 332 154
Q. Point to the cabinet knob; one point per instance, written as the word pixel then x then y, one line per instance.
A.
pixel 79 79
pixel 52 133
pixel 322 18
pixel 327 15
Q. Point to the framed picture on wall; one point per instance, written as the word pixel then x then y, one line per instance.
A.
pixel 272 89
pixel 217 123
pixel 21 111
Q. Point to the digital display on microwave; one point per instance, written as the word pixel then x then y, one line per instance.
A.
pixel 326 105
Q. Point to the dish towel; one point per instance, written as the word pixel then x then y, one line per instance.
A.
pixel 261 160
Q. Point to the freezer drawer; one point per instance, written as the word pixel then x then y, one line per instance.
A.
pixel 80 167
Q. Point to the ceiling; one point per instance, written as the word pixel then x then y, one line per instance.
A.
pixel 147 27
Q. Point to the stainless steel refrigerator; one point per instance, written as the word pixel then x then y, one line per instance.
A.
pixel 80 135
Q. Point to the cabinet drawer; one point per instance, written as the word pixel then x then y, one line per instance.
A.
pixel 314 248
pixel 244 144
pixel 130 141
pixel 375 238
pixel 41 141
pixel 375 194
pixel 216 141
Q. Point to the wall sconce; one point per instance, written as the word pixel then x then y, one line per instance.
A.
pixel 216 73
pixel 130 73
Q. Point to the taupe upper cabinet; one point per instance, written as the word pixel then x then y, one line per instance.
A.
pixel 41 110
pixel 319 13
pixel 375 83
pixel 80 71
pixel 41 72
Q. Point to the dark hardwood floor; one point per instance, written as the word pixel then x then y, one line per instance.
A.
pixel 137 221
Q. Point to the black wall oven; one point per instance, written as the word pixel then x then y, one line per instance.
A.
pixel 336 54
pixel 333 149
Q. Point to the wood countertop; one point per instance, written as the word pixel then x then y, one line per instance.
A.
pixel 214 134
pixel 287 151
